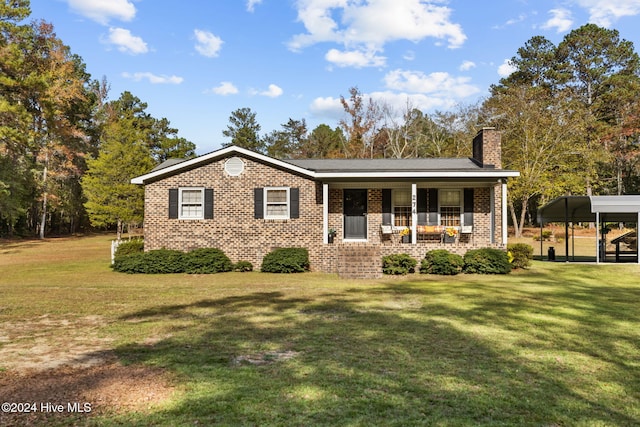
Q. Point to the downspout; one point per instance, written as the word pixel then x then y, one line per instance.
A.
pixel 566 229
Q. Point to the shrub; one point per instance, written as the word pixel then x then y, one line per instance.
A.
pixel 206 261
pixel 243 266
pixel 160 261
pixel 398 264
pixel 486 261
pixel 129 247
pixel 286 260
pixel 441 261
pixel 522 254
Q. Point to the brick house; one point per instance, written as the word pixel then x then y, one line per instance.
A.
pixel 247 204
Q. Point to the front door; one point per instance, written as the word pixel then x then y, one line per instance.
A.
pixel 355 214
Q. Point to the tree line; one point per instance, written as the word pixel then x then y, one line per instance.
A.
pixel 569 115
pixel 67 153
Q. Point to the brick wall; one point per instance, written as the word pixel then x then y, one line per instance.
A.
pixel 487 147
pixel 233 227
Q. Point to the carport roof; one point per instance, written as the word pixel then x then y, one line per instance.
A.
pixel 584 209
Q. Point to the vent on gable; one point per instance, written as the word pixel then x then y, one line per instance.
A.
pixel 234 166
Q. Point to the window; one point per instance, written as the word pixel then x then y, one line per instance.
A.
pixel 191 203
pixel 450 201
pixel 276 203
pixel 402 208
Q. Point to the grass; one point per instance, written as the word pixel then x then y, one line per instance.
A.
pixel 554 345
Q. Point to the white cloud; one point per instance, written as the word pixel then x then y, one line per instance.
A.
pixel 506 68
pixel 251 4
pixel 102 11
pixel 440 83
pixel 367 26
pixel 274 91
pixel 225 88
pixel 605 12
pixel 208 44
pixel 329 108
pixel 409 56
pixel 126 42
pixel 354 58
pixel 153 79
pixel 560 20
pixel 467 65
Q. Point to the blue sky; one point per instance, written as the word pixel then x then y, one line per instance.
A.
pixel 196 61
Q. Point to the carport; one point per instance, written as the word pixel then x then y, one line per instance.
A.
pixel 596 209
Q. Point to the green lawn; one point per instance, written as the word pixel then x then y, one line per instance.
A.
pixel 557 345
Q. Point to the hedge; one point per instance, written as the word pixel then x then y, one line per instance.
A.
pixel 286 260
pixel 441 261
pixel 486 261
pixel 398 264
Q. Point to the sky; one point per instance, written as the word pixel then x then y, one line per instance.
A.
pixel 194 62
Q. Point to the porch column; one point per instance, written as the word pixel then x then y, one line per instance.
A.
pixel 505 223
pixel 414 213
pixel 597 237
pixel 325 213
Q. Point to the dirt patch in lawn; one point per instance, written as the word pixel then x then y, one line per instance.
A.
pixel 48 362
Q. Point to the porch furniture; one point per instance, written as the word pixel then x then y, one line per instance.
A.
pixel 430 233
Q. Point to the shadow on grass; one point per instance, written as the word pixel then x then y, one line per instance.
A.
pixel 473 353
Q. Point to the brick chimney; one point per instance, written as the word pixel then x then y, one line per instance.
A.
pixel 487 148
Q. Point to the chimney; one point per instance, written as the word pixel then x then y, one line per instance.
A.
pixel 487 148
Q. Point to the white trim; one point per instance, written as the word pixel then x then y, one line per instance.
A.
pixel 180 190
pixel 192 163
pixel 480 173
pixel 265 190
pixel 325 213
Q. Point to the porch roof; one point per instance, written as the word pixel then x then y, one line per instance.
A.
pixel 584 208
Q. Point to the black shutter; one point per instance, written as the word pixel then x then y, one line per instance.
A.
pixel 258 203
pixel 422 206
pixel 468 206
pixel 386 206
pixel 433 207
pixel 208 203
pixel 294 199
pixel 173 203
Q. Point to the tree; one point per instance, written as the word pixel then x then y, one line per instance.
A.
pixel 124 153
pixel 244 130
pixel 360 125
pixel 323 142
pixel 287 143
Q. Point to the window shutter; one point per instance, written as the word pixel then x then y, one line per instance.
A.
pixel 386 206
pixel 173 203
pixel 468 206
pixel 294 199
pixel 422 206
pixel 258 203
pixel 432 218
pixel 208 203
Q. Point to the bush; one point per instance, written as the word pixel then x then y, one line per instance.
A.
pixel 522 254
pixel 286 260
pixel 243 266
pixel 486 261
pixel 160 261
pixel 129 247
pixel 441 261
pixel 398 264
pixel 207 261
